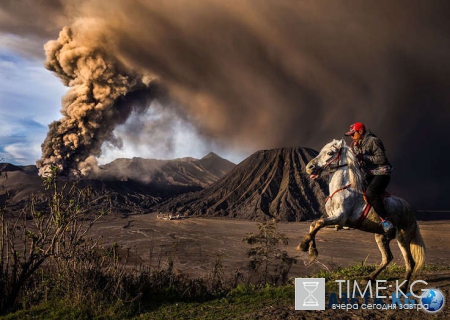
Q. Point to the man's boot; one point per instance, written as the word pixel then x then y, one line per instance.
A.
pixel 387 226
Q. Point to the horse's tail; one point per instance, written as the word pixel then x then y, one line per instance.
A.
pixel 417 247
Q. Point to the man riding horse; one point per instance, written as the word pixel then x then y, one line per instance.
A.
pixel 346 207
pixel 371 154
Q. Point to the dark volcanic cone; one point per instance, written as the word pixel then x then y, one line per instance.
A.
pixel 268 184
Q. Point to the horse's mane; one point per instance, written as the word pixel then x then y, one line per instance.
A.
pixel 355 174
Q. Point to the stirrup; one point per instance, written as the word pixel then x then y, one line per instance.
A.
pixel 387 226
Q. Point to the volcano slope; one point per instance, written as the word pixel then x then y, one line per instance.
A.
pixel 268 184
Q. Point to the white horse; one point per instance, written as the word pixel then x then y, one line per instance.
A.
pixel 345 207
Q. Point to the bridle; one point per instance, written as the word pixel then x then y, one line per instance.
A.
pixel 338 159
pixel 335 167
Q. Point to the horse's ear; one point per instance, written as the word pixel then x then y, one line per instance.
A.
pixel 343 143
pixel 339 143
pixel 336 143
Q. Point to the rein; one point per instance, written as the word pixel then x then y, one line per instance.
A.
pixel 340 189
pixel 338 166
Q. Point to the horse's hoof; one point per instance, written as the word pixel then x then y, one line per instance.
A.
pixel 313 253
pixel 312 257
pixel 303 246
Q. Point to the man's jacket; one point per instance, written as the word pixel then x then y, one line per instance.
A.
pixel 374 155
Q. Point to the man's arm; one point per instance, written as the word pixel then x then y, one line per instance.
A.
pixel 378 155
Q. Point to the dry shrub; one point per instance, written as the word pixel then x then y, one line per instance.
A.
pixel 267 260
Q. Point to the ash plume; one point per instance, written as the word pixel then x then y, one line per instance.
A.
pixel 102 95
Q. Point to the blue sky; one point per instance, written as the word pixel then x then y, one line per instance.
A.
pixel 30 98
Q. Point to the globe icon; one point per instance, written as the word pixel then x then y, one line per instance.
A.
pixel 432 300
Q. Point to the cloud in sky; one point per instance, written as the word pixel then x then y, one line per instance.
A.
pixel 250 75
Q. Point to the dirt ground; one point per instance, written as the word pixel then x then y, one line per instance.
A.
pixel 195 244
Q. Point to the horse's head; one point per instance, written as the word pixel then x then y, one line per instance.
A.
pixel 329 154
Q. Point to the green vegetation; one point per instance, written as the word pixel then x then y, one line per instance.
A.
pixel 239 302
pixel 245 301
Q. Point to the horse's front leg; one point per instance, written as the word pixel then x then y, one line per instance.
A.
pixel 309 243
pixel 310 237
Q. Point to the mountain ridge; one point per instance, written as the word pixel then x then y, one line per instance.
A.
pixel 182 171
pixel 128 185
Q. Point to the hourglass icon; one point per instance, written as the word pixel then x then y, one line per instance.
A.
pixel 310 300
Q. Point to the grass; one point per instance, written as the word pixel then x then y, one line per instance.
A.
pixel 64 309
pixel 243 302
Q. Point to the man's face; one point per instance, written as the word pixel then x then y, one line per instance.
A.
pixel 357 136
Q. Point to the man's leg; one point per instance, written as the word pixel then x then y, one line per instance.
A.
pixel 376 188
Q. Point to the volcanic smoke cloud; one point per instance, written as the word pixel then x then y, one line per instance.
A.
pixel 252 75
pixel 92 108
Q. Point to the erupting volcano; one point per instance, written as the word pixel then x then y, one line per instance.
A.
pixel 102 95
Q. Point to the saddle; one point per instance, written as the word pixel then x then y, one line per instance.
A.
pixel 383 196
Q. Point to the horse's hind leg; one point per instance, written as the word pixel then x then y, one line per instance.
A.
pixel 403 244
pixel 386 254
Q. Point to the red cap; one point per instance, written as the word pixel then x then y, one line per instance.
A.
pixel 355 127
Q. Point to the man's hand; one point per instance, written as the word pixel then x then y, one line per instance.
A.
pixel 360 157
